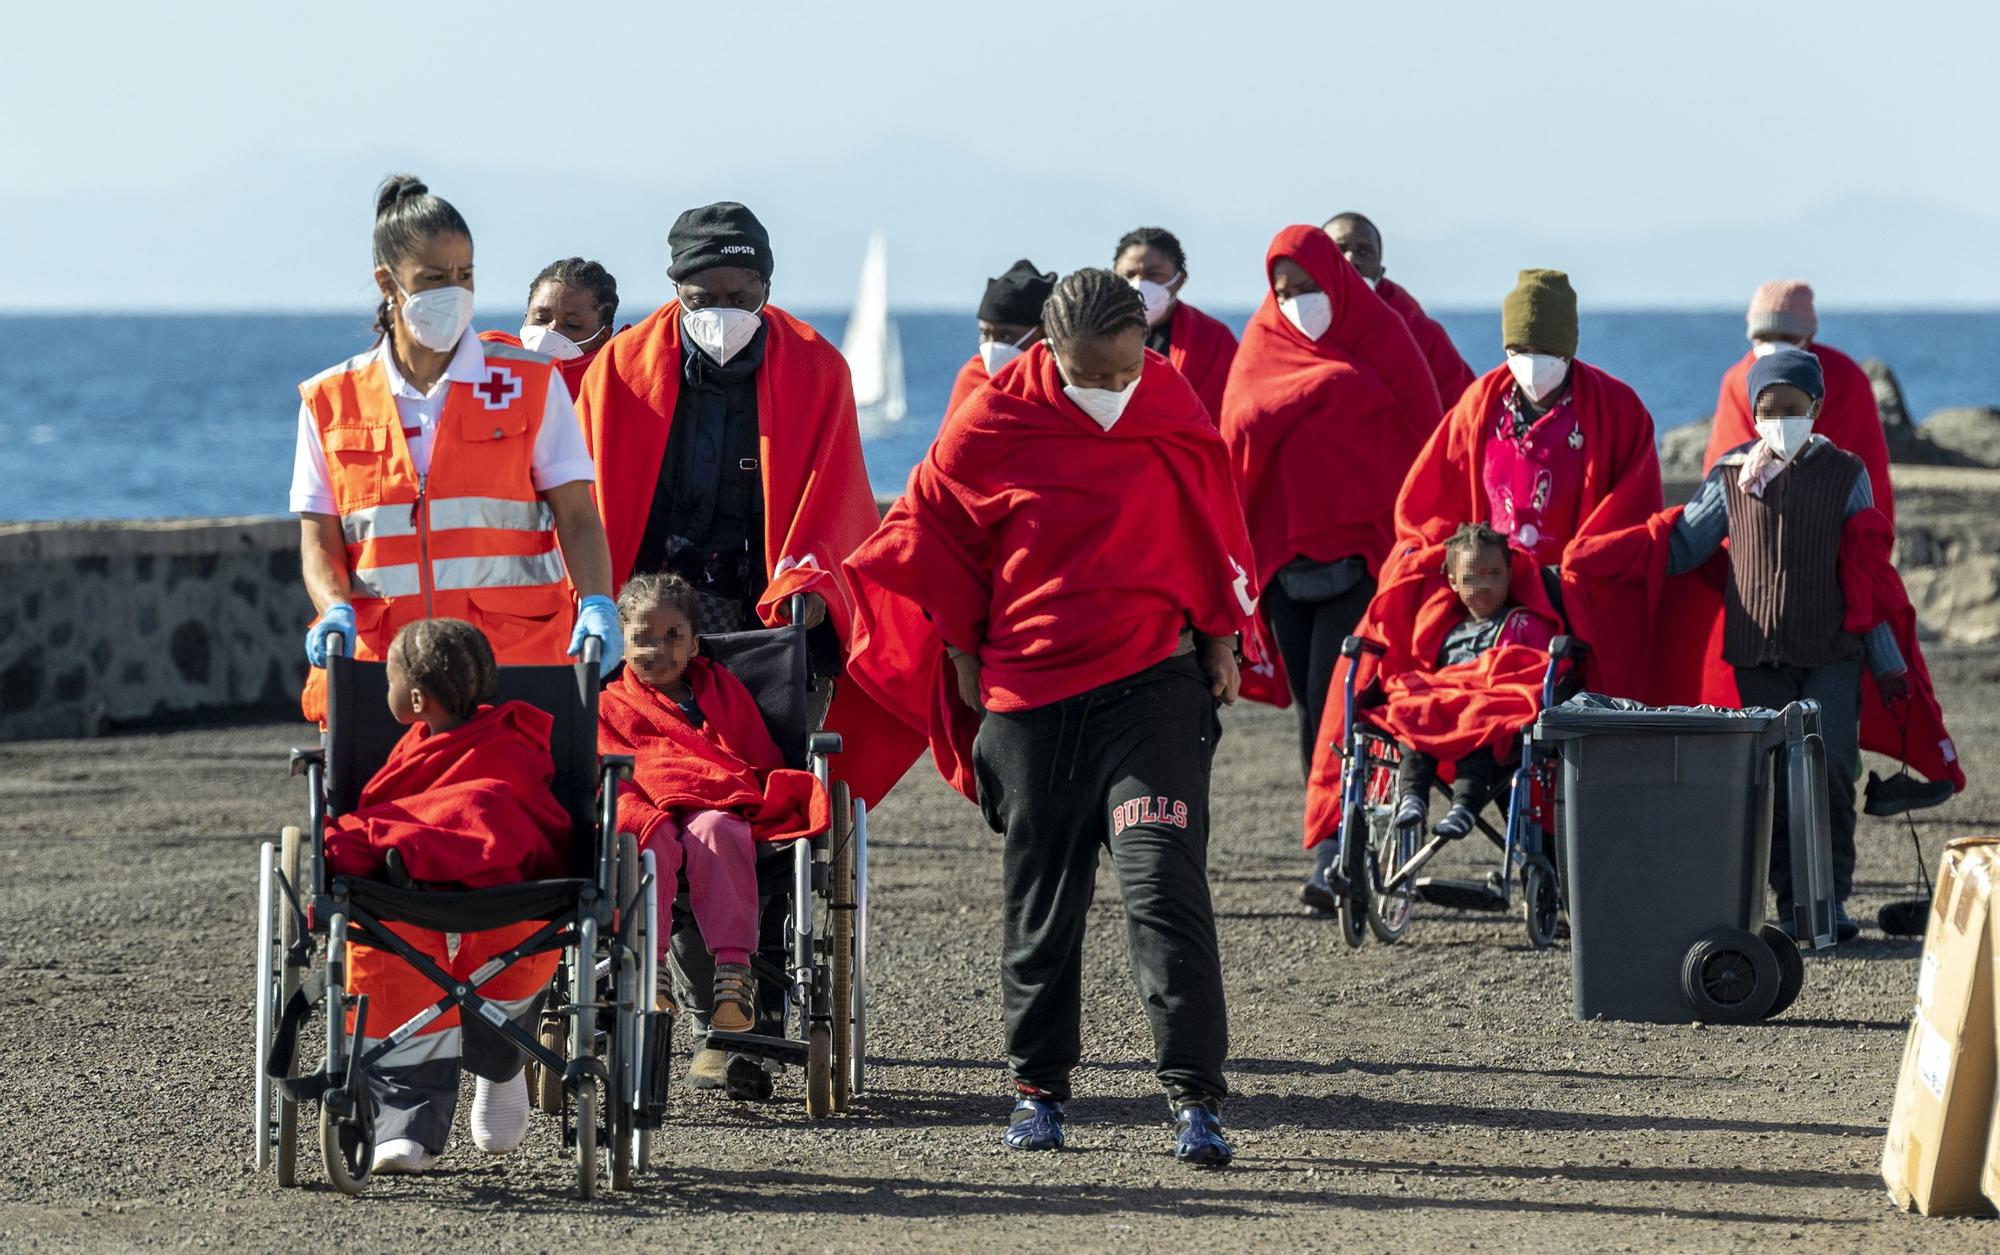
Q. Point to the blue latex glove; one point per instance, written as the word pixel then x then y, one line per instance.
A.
pixel 598 616
pixel 336 620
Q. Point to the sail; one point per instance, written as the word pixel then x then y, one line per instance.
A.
pixel 873 350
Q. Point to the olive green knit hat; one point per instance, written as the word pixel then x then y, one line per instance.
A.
pixel 1541 312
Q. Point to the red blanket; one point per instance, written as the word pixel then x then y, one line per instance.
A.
pixel 1448 369
pixel 728 764
pixel 1689 608
pixel 1321 432
pixel 1621 486
pixel 968 381
pixel 1065 555
pixel 1848 418
pixel 1201 349
pixel 1446 712
pixel 467 808
pixel 817 501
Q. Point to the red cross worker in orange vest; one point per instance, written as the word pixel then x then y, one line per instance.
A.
pixel 441 477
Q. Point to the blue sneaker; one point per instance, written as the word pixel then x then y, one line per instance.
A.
pixel 1198 1139
pixel 1037 1124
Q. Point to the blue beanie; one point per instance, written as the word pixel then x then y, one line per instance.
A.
pixel 1788 365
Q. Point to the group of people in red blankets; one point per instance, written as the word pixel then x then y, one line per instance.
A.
pixel 1460 521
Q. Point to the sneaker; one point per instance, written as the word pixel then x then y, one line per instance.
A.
pixel 1318 897
pixel 733 1009
pixel 499 1113
pixel 1198 1138
pixel 1037 1124
pixel 1458 822
pixel 708 1070
pixel 1903 792
pixel 401 1155
pixel 746 1080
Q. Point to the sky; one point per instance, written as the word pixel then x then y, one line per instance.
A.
pixel 225 155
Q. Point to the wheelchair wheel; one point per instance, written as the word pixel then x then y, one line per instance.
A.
pixel 348 1147
pixel 1350 890
pixel 626 1022
pixel 1389 848
pixel 819 1071
pixel 840 935
pixel 586 1138
pixel 1544 907
pixel 544 1086
pixel 291 858
pixel 1354 908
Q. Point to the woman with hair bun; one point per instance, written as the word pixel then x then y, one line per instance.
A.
pixel 440 477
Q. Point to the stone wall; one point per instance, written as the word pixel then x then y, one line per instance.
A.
pixel 114 623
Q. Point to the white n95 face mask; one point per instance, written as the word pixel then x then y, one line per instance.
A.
pixel 995 354
pixel 1157 297
pixel 720 333
pixel 1104 405
pixel 1310 312
pixel 438 317
pixel 1785 436
pixel 539 339
pixel 1539 374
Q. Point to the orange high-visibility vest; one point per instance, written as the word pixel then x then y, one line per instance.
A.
pixel 471 539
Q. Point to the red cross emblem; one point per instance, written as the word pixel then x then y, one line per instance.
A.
pixel 500 388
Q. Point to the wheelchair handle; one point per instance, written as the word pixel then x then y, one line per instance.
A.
pixel 797 605
pixel 1355 646
pixel 593 650
pixel 1563 648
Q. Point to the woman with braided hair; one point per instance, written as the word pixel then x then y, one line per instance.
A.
pixel 572 305
pixel 1065 580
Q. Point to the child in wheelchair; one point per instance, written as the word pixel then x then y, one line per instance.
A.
pixel 1477 567
pixel 708 781
pixel 463 801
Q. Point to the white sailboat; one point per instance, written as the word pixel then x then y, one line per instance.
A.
pixel 871 346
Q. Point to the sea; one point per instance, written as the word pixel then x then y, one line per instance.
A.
pixel 175 415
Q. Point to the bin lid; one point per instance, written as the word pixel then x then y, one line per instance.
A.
pixel 1589 714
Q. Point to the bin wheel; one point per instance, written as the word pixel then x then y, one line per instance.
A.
pixel 291 855
pixel 1730 977
pixel 586 1138
pixel 819 1071
pixel 348 1147
pixel 1791 969
pixel 1544 905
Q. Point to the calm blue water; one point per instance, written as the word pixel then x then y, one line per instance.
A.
pixel 161 415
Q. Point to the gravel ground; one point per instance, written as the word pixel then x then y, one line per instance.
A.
pixel 1434 1093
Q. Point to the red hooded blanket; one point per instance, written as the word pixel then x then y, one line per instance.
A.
pixel 1201 349
pixel 1321 432
pixel 1689 666
pixel 467 808
pixel 1848 418
pixel 1621 486
pixel 728 764
pixel 1448 369
pixel 1447 712
pixel 817 501
pixel 1065 555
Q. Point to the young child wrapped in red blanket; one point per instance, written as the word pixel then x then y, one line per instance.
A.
pixel 708 782
pixel 463 800
pixel 1493 645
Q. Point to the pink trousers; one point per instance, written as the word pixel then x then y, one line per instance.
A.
pixel 721 861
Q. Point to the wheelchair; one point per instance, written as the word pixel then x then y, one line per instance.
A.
pixel 1376 869
pixel 610 1060
pixel 812 967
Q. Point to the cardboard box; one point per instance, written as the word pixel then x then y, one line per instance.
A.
pixel 1937 1149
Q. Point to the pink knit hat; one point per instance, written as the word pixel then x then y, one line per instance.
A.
pixel 1783 307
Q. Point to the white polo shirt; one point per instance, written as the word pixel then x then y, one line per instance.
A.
pixel 560 457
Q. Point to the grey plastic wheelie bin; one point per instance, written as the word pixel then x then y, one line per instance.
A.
pixel 1666 829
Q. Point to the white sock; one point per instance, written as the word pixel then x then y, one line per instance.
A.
pixel 499 1113
pixel 402 1154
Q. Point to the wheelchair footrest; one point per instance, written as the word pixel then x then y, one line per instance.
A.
pixel 783 1049
pixel 1461 895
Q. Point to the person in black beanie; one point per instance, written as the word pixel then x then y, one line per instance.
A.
pixel 724 434
pixel 1010 320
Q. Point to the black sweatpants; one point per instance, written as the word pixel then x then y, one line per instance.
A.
pixel 1124 766
pixel 1308 636
pixel 1837 689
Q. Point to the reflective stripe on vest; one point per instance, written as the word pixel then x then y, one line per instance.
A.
pixel 383 522
pixel 450 574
